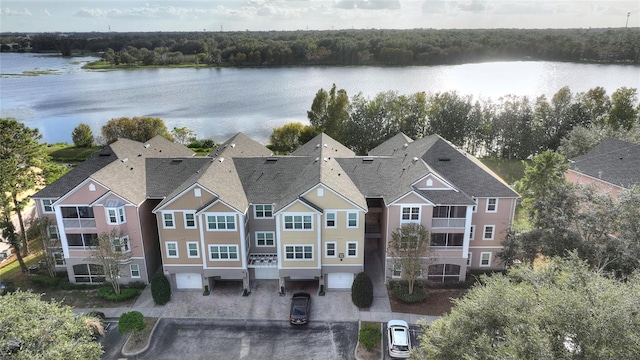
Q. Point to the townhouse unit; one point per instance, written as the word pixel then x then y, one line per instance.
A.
pixel 104 193
pixel 243 214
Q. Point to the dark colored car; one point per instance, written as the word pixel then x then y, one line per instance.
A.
pixel 300 307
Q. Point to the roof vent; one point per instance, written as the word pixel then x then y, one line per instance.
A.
pixel 317 159
pixel 367 159
pixel 444 159
pixel 233 145
pixel 405 145
pixel 125 160
pixel 104 154
pixel 415 158
pixel 325 159
pixel 146 146
pixel 221 159
pixel 272 159
pixel 317 145
pixel 325 145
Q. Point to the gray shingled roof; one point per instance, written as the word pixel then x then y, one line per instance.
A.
pixel 165 175
pixel 240 145
pixel 614 161
pixel 391 146
pixel 322 146
pixel 78 174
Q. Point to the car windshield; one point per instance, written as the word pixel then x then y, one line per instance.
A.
pixel 299 310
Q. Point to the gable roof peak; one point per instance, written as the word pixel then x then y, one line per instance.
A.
pixel 323 146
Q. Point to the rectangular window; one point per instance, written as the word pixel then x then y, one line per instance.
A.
pixel 88 273
pixel 475 207
pixel 121 245
pixel 189 220
pixel 223 252
pixel 397 270
pixel 352 219
pixel 451 212
pixel 265 238
pixel 221 222
pixel 263 211
pixel 299 252
pixel 447 239
pixel 492 205
pixel 53 233
pixel 77 212
pixel 410 213
pixel 192 249
pixel 46 205
pixel 82 240
pixel 58 258
pixel 298 222
pixel 485 259
pixel 469 259
pixel 330 249
pixel 115 216
pixel 330 220
pixel 352 249
pixel 135 270
pixel 472 232
pixel 488 232
pixel 172 249
pixel 167 221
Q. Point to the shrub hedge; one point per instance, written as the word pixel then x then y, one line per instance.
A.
pixel 400 290
pixel 362 290
pixel 160 288
pixel 106 292
pixel 369 336
pixel 130 322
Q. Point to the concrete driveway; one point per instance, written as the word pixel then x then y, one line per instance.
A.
pixel 251 339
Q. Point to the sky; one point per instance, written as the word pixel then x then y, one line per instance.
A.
pixel 264 15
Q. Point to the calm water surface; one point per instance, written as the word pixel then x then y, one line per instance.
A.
pixel 217 103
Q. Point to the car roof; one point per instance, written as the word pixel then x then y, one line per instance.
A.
pixel 400 336
pixel 397 323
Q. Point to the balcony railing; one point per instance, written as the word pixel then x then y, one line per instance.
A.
pixel 79 223
pixel 449 223
pixel 263 260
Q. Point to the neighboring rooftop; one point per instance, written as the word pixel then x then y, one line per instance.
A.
pixel 614 161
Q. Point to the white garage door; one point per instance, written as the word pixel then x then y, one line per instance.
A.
pixel 269 273
pixel 188 281
pixel 339 281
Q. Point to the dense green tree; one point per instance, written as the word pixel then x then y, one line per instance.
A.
pixel 330 111
pixel 542 176
pixel 449 116
pixel 579 141
pixel 624 110
pixel 287 138
pixel 82 136
pixel 409 246
pixel 8 230
pixel 112 252
pixel 21 155
pixel 556 310
pixel 136 128
pixel 36 329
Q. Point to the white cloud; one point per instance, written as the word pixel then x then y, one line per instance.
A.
pixel 5 11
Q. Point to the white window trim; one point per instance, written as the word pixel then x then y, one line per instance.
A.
pixel 197 255
pixel 294 252
pixel 123 240
pixel 266 232
pixel 481 256
pixel 184 216
pixel 120 215
pixel 472 233
pixel 44 207
pixel 335 249
pixel 352 242
pixel 57 232
pixel 166 246
pixel 487 206
pixel 475 207
pixel 393 270
pixel 493 232
pixel 293 215
pixel 228 252
pixel 357 219
pixel 131 271
pixel 255 211
pixel 335 219
pixel 403 221
pixel 469 258
pixel 164 221
pixel 235 221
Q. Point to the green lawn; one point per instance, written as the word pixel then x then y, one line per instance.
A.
pixel 509 170
pixel 65 153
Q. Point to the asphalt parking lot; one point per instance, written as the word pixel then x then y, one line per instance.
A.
pixel 112 343
pixel 251 339
pixel 414 330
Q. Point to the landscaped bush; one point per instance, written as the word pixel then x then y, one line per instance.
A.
pixel 131 321
pixel 66 285
pixel 106 292
pixel 45 281
pixel 370 336
pixel 137 285
pixel 362 290
pixel 160 288
pixel 400 291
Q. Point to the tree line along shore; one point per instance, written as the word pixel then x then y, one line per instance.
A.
pixel 337 47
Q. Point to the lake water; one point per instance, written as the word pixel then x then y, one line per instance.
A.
pixel 217 103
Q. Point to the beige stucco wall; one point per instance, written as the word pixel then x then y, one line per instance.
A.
pixel 329 199
pixel 188 200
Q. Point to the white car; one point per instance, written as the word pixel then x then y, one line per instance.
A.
pixel 399 340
